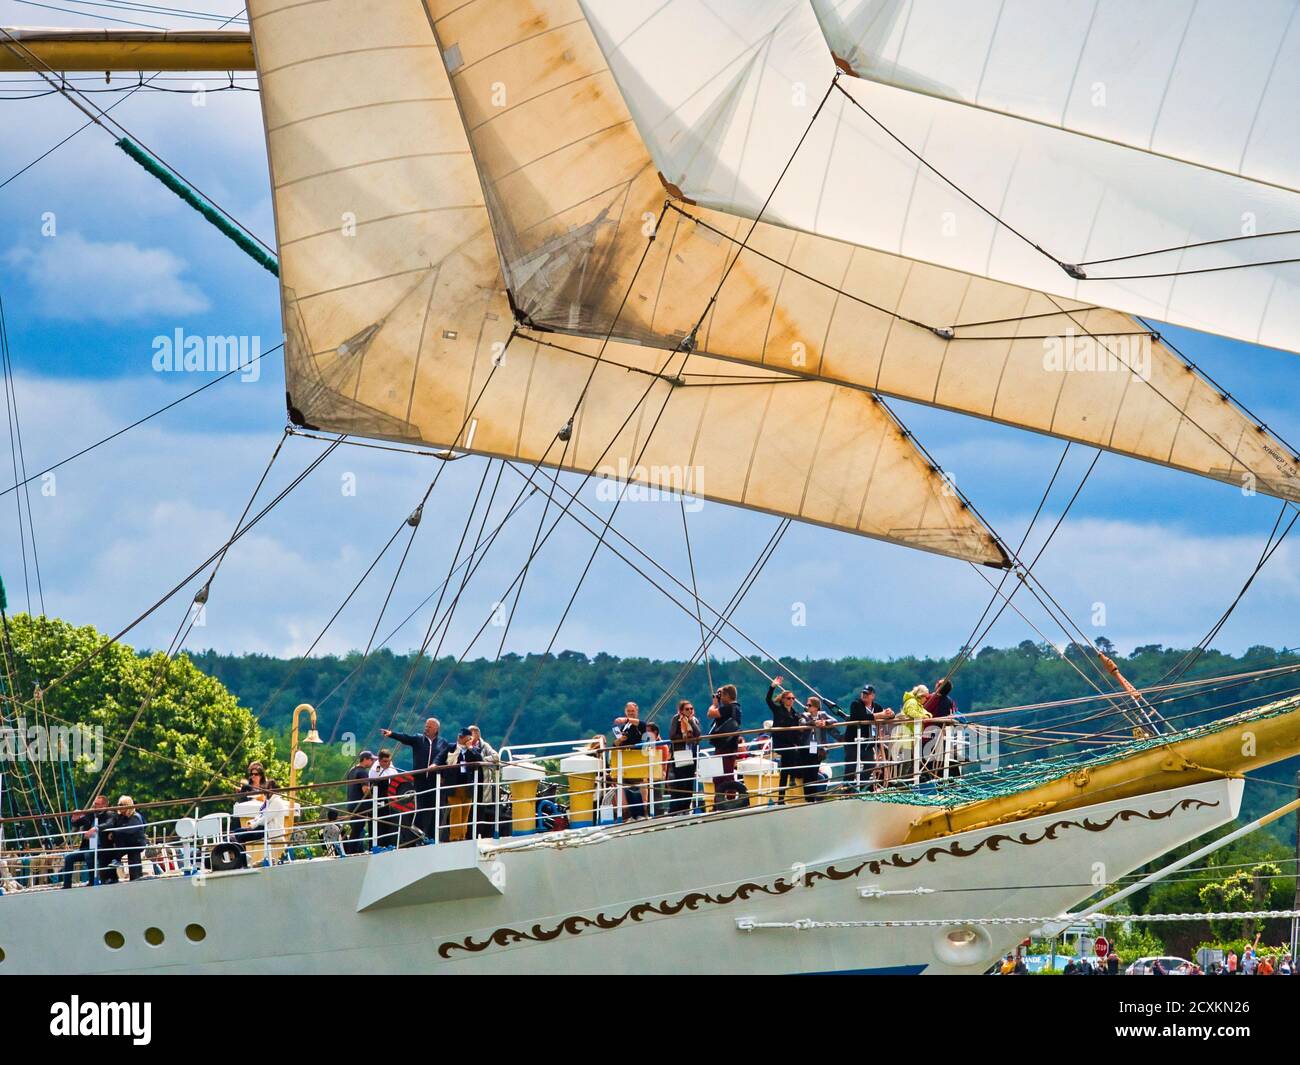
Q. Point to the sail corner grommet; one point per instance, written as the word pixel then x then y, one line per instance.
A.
pixel 1074 271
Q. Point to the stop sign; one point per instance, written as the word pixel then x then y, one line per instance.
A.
pixel 1101 947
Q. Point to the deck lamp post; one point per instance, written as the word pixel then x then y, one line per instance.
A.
pixel 298 758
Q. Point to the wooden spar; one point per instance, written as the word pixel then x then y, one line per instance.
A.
pixel 143 51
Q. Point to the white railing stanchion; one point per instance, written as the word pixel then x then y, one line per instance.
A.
pixel 473 810
pixel 94 854
pixel 437 808
pixel 374 816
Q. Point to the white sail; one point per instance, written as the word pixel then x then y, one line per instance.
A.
pixel 573 193
pixel 1214 84
pixel 398 323
pixel 945 183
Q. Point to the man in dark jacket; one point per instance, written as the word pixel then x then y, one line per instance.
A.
pixel 126 839
pixel 861 736
pixel 359 805
pixel 725 734
pixel 428 750
pixel 87 822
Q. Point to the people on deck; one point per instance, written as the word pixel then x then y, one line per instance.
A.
pixel 821 732
pixel 358 802
pixel 940 706
pixel 254 782
pixel 489 774
pixel 729 790
pixel 270 820
pixel 684 736
pixel 460 785
pixel 785 738
pixel 629 731
pixel 826 730
pixel 428 750
pixel 88 823
pixel 125 839
pixel 908 729
pixel 381 774
pixel 864 752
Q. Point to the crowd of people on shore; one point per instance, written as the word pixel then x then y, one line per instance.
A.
pixel 1252 962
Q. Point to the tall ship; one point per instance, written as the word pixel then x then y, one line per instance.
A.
pixel 696 247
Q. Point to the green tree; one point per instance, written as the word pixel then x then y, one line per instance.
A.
pixel 191 736
pixel 1244 889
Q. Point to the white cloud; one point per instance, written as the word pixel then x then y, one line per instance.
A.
pixel 111 281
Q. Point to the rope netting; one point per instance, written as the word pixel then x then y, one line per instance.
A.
pixel 1016 777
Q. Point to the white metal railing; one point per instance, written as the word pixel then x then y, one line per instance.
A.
pixel 182 846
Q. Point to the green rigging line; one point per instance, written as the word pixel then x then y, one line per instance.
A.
pixel 205 207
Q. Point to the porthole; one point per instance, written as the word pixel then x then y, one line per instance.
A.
pixel 154 937
pixel 2 954
pixel 195 933
pixel 114 940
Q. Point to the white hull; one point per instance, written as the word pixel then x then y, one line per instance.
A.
pixel 662 900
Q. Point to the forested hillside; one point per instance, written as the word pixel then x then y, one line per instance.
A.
pixel 571 694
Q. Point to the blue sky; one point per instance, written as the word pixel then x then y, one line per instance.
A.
pixel 1162 552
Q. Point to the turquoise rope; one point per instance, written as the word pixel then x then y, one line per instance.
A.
pixel 206 208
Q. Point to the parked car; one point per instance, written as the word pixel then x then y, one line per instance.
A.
pixel 1171 966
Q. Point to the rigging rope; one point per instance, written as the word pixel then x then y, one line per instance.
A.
pixel 1270 547
pixel 139 421
pixel 188 620
pixel 19 463
pixel 684 348
pixel 1074 270
pixel 976 636
pixel 86 125
pixel 395 706
pixel 85 660
pixel 730 608
pixel 695 591
pixel 99 117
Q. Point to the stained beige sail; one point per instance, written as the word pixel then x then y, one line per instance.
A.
pixel 398 324
pixel 573 193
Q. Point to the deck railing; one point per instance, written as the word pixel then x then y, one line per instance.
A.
pixel 528 789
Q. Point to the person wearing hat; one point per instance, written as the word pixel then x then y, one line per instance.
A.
pixel 358 804
pixel 463 762
pixel 861 735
